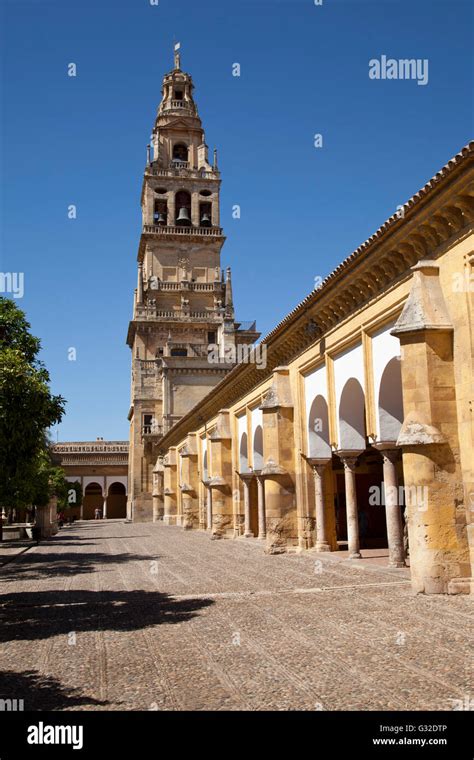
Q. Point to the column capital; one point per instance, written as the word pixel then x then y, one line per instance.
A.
pixel 318 463
pixel 349 457
pixel 246 477
pixel 388 449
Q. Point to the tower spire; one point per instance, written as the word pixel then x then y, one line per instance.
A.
pixel 177 55
pixel 229 304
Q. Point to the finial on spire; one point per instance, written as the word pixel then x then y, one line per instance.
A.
pixel 177 56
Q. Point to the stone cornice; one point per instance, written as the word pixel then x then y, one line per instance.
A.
pixel 440 213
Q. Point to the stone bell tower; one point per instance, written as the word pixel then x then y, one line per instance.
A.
pixel 183 330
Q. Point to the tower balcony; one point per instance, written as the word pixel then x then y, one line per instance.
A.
pixel 182 169
pixel 152 431
pixel 148 311
pixel 185 285
pixel 166 230
pixel 178 105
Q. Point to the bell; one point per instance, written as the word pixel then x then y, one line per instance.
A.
pixel 205 220
pixel 183 216
pixel 160 219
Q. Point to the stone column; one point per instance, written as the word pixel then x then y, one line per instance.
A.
pixel 281 520
pixel 262 528
pixel 189 485
pixel 171 209
pixel 319 467
pixel 220 441
pixel 170 488
pixel 393 513
pixel 195 209
pixel 349 460
pixel 104 509
pixel 81 508
pixel 246 477
pixel 208 506
pixel 429 437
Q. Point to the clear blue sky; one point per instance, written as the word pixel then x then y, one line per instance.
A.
pixel 304 70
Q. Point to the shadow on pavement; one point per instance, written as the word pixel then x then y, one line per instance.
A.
pixel 35 615
pixel 35 565
pixel 40 692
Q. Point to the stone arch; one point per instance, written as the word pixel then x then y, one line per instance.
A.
pixel 318 429
pixel 352 434
pixel 116 500
pixel 390 401
pixel 258 448
pixel 183 203
pixel 93 499
pixel 180 151
pixel 243 453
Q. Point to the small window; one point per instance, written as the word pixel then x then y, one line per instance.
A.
pixel 178 94
pixel 147 423
pixel 179 352
pixel 211 337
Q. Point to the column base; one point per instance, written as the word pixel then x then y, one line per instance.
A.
pixel 461 586
pixel 355 555
pixel 169 519
pixel 397 564
pixel 249 534
pixel 323 547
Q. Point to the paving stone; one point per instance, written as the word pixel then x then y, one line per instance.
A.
pixel 117 616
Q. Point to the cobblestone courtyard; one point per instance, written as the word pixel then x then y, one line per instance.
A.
pixel 114 616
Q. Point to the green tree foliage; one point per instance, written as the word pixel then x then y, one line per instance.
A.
pixel 27 410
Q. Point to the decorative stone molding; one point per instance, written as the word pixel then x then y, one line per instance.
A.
pixel 216 482
pixel 271 468
pixel 415 432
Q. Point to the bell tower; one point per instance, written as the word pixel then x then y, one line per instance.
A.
pixel 183 313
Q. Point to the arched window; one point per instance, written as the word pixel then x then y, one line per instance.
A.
pixel 180 152
pixel 183 208
pixel 205 214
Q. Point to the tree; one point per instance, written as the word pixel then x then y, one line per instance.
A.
pixel 27 410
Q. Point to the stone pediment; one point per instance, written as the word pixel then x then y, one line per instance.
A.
pixel 181 123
